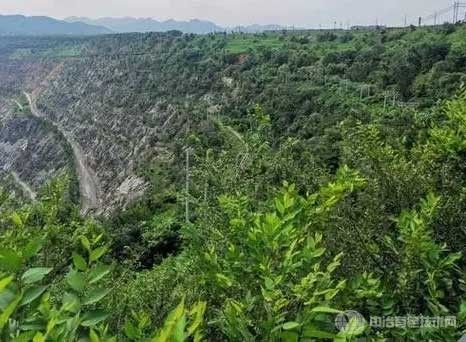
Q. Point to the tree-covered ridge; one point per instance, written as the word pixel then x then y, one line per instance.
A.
pixel 135 94
pixel 258 267
pixel 296 189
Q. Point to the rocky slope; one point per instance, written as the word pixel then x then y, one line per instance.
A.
pixel 89 187
pixel 82 112
pixel 30 151
pixel 114 105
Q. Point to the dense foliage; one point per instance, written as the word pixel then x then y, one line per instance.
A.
pixel 332 179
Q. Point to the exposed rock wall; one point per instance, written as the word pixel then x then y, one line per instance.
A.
pixel 30 151
pixel 111 109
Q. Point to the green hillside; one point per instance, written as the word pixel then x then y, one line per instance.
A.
pixel 289 177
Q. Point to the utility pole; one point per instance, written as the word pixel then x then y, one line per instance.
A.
pixel 187 170
pixel 187 185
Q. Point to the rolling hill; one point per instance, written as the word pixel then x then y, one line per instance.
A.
pixel 21 25
pixel 130 24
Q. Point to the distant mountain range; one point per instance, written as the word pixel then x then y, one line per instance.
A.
pixel 129 24
pixel 21 25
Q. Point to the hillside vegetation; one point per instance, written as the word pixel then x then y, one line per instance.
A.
pixel 252 187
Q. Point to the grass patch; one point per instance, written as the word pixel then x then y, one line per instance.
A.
pixel 61 51
pixel 243 44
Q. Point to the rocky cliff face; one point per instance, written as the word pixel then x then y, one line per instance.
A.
pixel 90 112
pixel 30 151
pixel 113 140
pixel 109 106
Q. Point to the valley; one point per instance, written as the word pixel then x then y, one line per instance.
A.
pixel 238 187
pixel 88 184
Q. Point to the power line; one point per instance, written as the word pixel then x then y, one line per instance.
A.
pixel 454 10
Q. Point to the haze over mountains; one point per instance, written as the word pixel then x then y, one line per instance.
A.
pixel 130 24
pixel 22 25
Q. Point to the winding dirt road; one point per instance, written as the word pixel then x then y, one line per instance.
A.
pixel 26 188
pixel 88 182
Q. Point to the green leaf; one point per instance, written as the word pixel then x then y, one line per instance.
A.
pixel 269 285
pixel 9 310
pixel 291 325
pixel 32 248
pixel 324 309
pixel 224 280
pixel 354 327
pixel 76 280
pixel 463 308
pixel 93 318
pixel 7 296
pixel 35 274
pixel 10 260
pixel 98 273
pixel 197 317
pixel 95 296
pixel 85 243
pixel 279 206
pixel 131 331
pixel 93 336
pixel 312 332
pixel 32 294
pixel 71 303
pixel 97 253
pixel 16 219
pixel 26 336
pixel 5 282
pixel 79 262
pixel 289 336
pixel 39 337
pixel 173 326
pixel 34 326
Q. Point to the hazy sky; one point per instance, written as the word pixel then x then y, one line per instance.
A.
pixel 305 13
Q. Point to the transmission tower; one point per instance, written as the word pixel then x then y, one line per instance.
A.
pixel 436 17
pixel 457 6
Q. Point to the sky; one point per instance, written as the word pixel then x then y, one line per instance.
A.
pixel 301 13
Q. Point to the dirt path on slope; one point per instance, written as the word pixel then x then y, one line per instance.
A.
pixel 88 182
pixel 26 188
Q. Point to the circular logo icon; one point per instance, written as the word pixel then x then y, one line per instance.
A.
pixel 343 319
